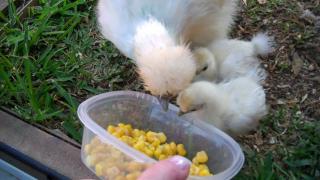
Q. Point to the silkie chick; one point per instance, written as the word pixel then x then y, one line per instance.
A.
pixel 235 106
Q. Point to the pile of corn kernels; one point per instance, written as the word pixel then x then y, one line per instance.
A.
pixel 113 164
pixel 155 145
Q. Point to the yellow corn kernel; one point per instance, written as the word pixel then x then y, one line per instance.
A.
pixel 148 152
pixel 129 127
pixel 180 149
pixel 133 176
pixel 134 166
pixel 162 137
pixel 173 147
pixel 99 149
pixel 116 154
pixel 134 140
pixel 111 129
pixel 151 147
pixel 167 149
pixel 142 138
pixel 203 166
pixel 151 136
pixel 87 148
pixel 126 131
pixel 142 133
pixel 121 125
pixel 112 162
pixel 102 166
pixel 93 159
pixel 120 177
pixel 136 133
pixel 156 143
pixel 139 145
pixel 162 157
pixel 158 152
pixel 194 170
pixel 122 130
pixel 195 161
pixel 112 172
pixel 95 141
pixel 99 169
pixel 122 164
pixel 204 172
pixel 127 139
pixel 201 157
pixel 118 134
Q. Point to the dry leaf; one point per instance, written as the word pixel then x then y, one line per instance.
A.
pixel 262 1
pixel 297 63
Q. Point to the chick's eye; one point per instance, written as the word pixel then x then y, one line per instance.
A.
pixel 204 68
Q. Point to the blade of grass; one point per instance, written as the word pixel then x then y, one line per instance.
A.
pixel 75 21
pixel 72 103
pixel 5 61
pixel 26 40
pixel 3 17
pixel 13 16
pixel 5 77
pixel 32 98
pixel 72 5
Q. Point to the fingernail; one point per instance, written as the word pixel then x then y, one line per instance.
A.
pixel 181 162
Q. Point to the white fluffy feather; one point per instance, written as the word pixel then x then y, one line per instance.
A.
pixel 235 106
pixel 238 65
pixel 233 58
pixel 155 33
pixel 261 44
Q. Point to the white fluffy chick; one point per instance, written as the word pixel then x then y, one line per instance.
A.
pixel 235 65
pixel 230 58
pixel 156 34
pixel 235 106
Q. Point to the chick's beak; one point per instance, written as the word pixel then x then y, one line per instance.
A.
pixel 164 102
pixel 199 107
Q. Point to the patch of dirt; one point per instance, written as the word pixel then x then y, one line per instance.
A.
pixel 294 73
pixel 296 49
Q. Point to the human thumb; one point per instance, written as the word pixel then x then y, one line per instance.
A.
pixel 174 168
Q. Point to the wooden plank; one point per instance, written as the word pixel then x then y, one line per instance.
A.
pixel 22 7
pixel 54 132
pixel 43 147
pixel 24 10
pixel 3 4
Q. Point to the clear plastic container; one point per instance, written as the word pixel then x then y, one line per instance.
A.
pixel 144 112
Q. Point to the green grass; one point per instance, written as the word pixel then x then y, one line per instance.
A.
pixel 294 155
pixel 55 59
